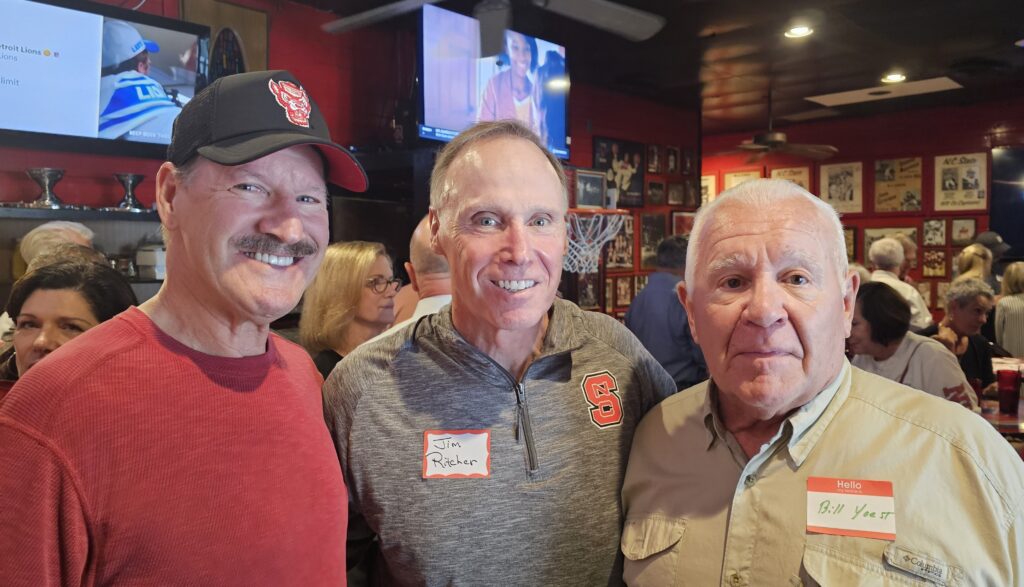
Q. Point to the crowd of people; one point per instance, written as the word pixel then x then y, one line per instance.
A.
pixel 474 427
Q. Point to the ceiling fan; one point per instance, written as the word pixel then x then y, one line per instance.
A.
pixel 627 22
pixel 773 141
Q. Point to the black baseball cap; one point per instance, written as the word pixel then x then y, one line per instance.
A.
pixel 240 118
pixel 993 242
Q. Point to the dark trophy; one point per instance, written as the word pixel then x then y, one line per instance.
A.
pixel 129 203
pixel 46 177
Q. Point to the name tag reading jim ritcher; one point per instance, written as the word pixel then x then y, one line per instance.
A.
pixel 456 454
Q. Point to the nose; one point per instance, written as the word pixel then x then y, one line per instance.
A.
pixel 517 244
pixel 47 340
pixel 392 289
pixel 282 221
pixel 765 306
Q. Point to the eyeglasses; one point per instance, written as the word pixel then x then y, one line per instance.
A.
pixel 380 284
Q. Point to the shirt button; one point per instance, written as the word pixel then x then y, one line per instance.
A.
pixel 749 482
pixel 736 580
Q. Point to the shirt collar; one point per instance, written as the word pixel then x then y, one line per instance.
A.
pixel 807 423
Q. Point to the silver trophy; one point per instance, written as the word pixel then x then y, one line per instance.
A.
pixel 46 177
pixel 129 203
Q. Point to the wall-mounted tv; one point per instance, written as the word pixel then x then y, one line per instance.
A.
pixel 527 81
pixel 89 77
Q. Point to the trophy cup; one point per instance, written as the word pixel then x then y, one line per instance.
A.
pixel 129 203
pixel 46 177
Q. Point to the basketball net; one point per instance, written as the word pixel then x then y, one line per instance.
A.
pixel 588 233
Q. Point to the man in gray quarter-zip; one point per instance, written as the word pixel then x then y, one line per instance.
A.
pixel 486 444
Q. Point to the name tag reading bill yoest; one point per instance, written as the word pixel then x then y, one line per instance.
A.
pixel 851 507
pixel 456 454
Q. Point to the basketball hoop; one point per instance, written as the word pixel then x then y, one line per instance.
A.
pixel 589 230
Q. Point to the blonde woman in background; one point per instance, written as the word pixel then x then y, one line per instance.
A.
pixel 350 301
pixel 1010 311
pixel 974 261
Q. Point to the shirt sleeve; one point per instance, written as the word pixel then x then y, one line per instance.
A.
pixel 44 533
pixel 944 377
pixel 1000 325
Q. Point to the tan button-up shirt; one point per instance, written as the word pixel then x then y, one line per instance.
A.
pixel 698 512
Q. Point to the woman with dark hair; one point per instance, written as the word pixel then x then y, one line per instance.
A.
pixel 883 344
pixel 509 94
pixel 55 303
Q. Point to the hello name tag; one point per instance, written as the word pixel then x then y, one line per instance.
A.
pixel 456 454
pixel 851 507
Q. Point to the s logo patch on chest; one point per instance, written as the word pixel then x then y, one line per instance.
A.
pixel 601 392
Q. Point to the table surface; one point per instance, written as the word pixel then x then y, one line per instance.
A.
pixel 1006 424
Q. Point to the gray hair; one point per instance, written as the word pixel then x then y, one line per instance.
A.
pixel 761 195
pixel 886 254
pixel 441 185
pixel 50 234
pixel 965 290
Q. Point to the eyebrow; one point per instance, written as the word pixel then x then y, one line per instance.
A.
pixel 789 254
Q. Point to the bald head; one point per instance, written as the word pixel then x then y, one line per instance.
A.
pixel 424 260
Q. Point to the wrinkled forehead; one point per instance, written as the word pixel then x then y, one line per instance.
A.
pixel 793 232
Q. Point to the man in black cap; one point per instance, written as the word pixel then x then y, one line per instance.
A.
pixel 181 442
pixel 993 242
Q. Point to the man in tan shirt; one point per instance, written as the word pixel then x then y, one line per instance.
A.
pixel 790 467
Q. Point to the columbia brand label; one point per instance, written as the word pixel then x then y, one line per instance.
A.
pixel 851 507
pixel 926 567
pixel 456 454
pixel 294 100
pixel 601 392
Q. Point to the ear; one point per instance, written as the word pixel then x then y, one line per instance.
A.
pixel 435 231
pixel 685 300
pixel 166 193
pixel 409 269
pixel 850 287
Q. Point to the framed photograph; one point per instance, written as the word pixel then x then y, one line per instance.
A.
pixel 672 162
pixel 873 234
pixel 850 234
pixel 675 194
pixel 961 182
pixel 588 289
pixel 801 176
pixel 898 185
pixel 652 232
pixel 690 198
pixel 963 230
pixel 941 289
pixel 619 254
pixel 589 189
pixel 840 186
pixel 622 163
pixel 708 188
pixel 682 223
pixel 732 179
pixel 935 233
pixel 639 283
pixel 621 316
pixel 934 263
pixel 655 193
pixel 623 290
pixel 689 161
pixel 925 289
pixel 653 159
pixel 609 295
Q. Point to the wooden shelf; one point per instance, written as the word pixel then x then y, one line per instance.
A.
pixel 87 214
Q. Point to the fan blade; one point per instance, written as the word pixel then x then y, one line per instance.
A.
pixel 375 15
pixel 755 157
pixel 625 21
pixel 816 152
pixel 751 146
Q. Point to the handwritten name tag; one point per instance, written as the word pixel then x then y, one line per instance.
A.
pixel 851 507
pixel 456 454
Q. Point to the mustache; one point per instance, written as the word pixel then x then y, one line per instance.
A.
pixel 269 245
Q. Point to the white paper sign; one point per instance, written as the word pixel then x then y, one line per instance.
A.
pixel 851 507
pixel 456 454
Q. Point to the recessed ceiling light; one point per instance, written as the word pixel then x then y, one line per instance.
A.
pixel 799 31
pixel 558 84
pixel 1019 42
pixel 894 78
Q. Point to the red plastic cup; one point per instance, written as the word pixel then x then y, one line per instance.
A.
pixel 1009 391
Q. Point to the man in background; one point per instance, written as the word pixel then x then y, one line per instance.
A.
pixel 658 319
pixel 887 257
pixel 969 303
pixel 429 277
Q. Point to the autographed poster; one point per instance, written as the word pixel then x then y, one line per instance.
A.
pixel 801 176
pixel 840 186
pixel 961 182
pixel 735 178
pixel 708 189
pixel 898 185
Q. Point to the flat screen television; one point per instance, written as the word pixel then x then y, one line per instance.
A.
pixel 527 81
pixel 89 77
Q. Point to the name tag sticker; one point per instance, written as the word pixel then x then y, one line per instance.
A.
pixel 851 507
pixel 456 454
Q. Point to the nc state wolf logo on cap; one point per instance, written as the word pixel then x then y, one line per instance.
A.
pixel 294 100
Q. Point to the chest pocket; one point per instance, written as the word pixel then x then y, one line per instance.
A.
pixel 823 565
pixel 651 547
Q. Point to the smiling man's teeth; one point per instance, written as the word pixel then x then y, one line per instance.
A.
pixel 271 259
pixel 516 284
